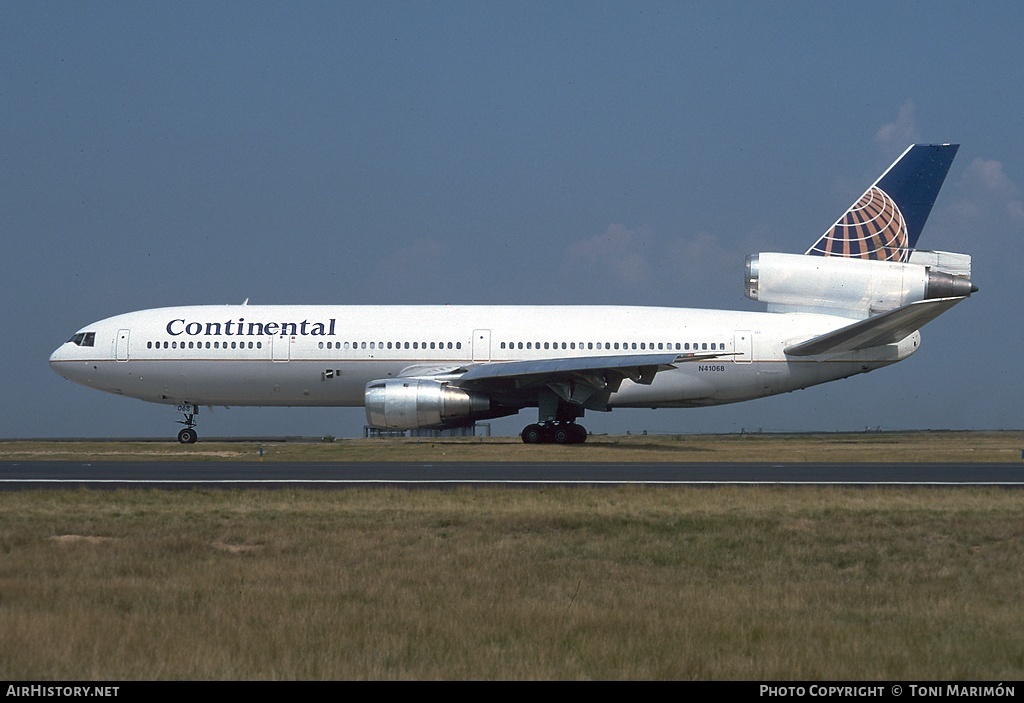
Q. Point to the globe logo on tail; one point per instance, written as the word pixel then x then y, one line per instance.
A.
pixel 873 228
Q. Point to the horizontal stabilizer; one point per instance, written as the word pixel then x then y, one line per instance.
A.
pixel 887 328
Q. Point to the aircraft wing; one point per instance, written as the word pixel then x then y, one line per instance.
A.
pixel 638 367
pixel 432 370
pixel 596 373
pixel 887 328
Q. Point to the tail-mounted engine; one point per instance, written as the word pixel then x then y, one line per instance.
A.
pixel 854 287
pixel 411 403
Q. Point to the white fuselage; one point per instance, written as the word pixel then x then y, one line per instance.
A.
pixel 325 355
pixel 853 303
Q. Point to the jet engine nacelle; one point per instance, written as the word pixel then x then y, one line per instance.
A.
pixel 842 286
pixel 412 403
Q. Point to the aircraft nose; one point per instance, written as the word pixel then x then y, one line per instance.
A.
pixel 56 358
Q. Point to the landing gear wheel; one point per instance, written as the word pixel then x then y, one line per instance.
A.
pixel 188 412
pixel 532 434
pixel 579 434
pixel 557 433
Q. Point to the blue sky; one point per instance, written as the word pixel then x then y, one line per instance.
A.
pixel 160 153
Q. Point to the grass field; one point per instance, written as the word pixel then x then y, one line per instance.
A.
pixel 559 583
pixel 728 583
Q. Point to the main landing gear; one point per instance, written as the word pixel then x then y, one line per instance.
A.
pixel 556 415
pixel 188 435
pixel 554 433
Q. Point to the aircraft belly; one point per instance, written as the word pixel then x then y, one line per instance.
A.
pixel 700 385
pixel 674 387
pixel 804 374
pixel 255 383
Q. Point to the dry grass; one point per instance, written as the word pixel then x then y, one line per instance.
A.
pixel 995 446
pixel 616 583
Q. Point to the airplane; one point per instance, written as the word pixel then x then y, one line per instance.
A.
pixel 853 302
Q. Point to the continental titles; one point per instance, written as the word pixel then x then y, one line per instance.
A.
pixel 241 328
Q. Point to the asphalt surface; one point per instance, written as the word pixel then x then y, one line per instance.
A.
pixel 161 474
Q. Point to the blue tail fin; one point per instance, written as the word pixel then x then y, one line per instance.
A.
pixel 885 223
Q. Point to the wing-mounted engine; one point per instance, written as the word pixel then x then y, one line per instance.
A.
pixel 856 288
pixel 412 403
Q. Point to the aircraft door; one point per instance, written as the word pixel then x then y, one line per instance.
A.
pixel 743 345
pixel 121 345
pixel 282 347
pixel 481 345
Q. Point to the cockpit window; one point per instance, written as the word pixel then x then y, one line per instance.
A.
pixel 84 339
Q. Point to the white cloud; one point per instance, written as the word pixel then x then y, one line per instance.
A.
pixel 980 213
pixel 696 254
pixel 989 174
pixel 896 135
pixel 620 253
pixel 632 265
pixel 988 186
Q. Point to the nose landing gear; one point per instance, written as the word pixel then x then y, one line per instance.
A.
pixel 188 435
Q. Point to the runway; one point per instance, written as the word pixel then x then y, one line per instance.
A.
pixel 179 475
